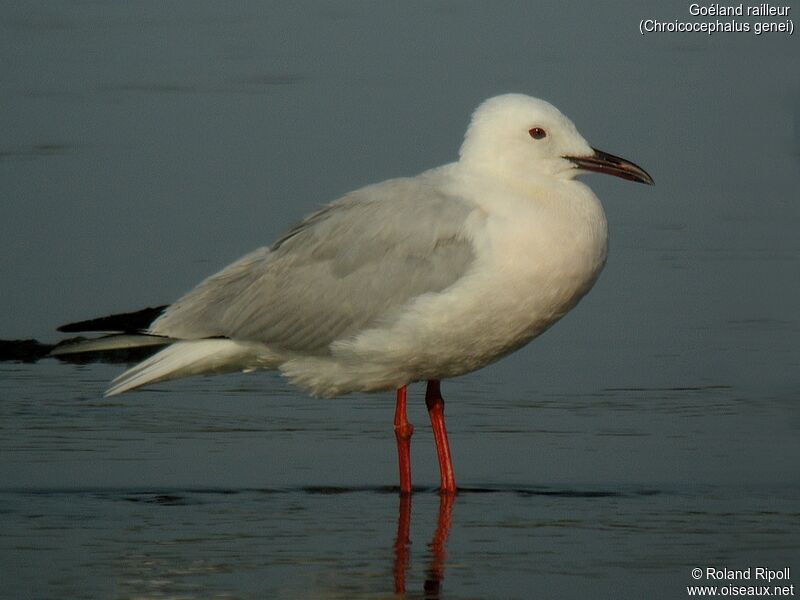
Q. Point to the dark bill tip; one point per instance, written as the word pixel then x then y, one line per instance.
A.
pixel 603 162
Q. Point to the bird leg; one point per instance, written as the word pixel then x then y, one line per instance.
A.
pixel 435 404
pixel 402 432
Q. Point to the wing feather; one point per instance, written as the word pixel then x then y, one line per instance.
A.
pixel 346 267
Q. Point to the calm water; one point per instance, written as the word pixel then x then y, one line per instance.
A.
pixel 244 489
pixel 653 431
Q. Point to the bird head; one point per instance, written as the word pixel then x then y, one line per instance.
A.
pixel 515 135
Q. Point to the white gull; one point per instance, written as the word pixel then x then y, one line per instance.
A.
pixel 411 279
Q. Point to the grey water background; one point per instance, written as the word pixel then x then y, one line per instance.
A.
pixel 655 429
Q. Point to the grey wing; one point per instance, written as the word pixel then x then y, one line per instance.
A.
pixel 345 268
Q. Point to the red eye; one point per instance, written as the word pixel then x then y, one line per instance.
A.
pixel 537 133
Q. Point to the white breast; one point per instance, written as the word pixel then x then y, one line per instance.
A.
pixel 546 250
pixel 536 256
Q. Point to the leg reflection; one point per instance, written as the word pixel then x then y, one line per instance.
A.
pixel 401 544
pixel 434 574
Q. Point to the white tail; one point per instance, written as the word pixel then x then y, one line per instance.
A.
pixel 186 358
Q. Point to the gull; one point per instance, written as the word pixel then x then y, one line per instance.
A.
pixel 411 279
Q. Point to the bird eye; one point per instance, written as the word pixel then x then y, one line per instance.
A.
pixel 537 133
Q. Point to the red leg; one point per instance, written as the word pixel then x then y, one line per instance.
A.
pixel 402 432
pixel 435 404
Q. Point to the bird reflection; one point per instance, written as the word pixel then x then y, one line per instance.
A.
pixel 401 543
pixel 434 574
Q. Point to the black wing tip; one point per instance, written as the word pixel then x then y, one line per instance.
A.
pixel 130 322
